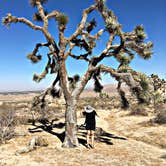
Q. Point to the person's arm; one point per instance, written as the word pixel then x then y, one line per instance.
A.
pixel 96 114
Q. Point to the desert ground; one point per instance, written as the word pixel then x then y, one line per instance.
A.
pixel 125 139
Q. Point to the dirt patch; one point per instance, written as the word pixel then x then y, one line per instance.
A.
pixel 128 140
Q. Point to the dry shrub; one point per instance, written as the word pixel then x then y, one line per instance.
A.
pixel 99 103
pixel 148 123
pixel 6 106
pixel 23 119
pixel 161 114
pixel 48 113
pixel 7 125
pixel 139 110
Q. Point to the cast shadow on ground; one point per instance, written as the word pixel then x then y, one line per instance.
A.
pixel 48 127
pixel 100 136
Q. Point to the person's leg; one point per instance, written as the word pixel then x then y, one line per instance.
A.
pixel 88 137
pixel 92 138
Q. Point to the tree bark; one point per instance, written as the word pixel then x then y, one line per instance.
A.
pixel 71 139
pixel 124 101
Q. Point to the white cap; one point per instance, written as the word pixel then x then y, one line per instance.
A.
pixel 89 109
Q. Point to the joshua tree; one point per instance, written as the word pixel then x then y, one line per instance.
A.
pixel 159 95
pixel 131 43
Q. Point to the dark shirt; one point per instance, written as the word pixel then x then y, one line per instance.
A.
pixel 90 120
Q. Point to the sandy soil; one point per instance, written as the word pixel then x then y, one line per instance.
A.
pixel 123 146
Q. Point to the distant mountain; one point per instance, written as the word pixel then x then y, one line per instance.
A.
pixel 19 92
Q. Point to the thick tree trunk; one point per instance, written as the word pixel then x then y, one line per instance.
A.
pixel 71 139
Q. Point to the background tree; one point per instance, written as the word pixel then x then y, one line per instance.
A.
pixel 131 43
pixel 159 93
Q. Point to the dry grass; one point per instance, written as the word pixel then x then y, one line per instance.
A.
pixel 161 114
pixel 142 110
pixel 130 140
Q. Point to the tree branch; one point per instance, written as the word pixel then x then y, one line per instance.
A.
pixel 37 77
pixel 126 77
pixel 42 14
pixel 53 14
pixel 89 36
pixel 106 53
pixel 71 46
pixel 81 85
pixel 38 45
pixel 13 19
pixel 33 56
pixel 81 57
pixel 82 23
pixel 144 50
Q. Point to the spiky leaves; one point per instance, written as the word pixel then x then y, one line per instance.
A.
pixel 62 19
pixel 13 19
pixel 147 51
pixel 33 2
pixel 144 50
pixel 139 31
pixel 73 81
pixel 38 78
pixel 100 4
pixel 9 19
pixel 112 24
pixel 97 85
pixel 144 82
pixel 146 89
pixel 123 58
pixel 34 58
pixel 124 69
pixel 54 92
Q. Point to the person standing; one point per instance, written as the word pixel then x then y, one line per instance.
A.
pixel 90 124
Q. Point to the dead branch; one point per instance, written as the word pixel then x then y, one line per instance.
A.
pixel 35 142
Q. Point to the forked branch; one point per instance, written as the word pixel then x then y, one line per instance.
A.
pixel 83 22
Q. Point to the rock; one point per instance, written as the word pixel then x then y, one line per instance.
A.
pixel 35 142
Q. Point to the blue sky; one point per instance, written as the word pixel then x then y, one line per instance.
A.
pixel 16 71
